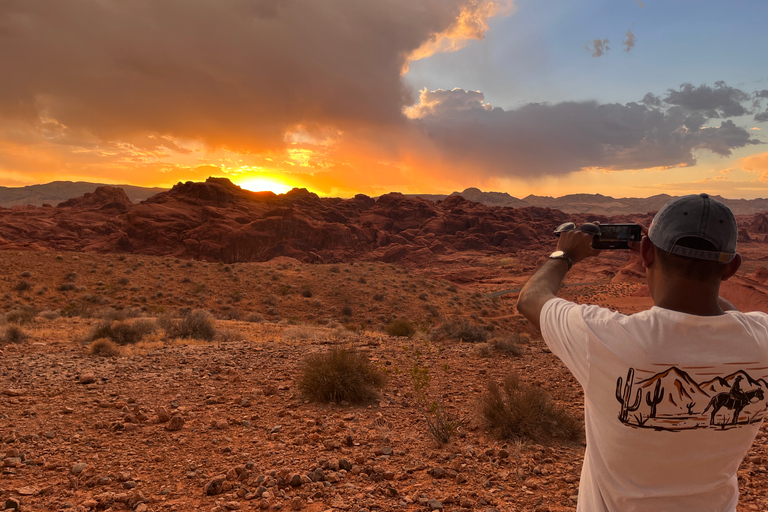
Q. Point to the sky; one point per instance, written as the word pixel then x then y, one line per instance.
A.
pixel 625 98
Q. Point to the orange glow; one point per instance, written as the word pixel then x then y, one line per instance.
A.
pixel 263 184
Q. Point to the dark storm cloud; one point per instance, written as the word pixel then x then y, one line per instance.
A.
pixel 234 73
pixel 761 117
pixel 559 138
pixel 718 101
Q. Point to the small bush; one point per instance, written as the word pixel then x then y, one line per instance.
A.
pixel 13 334
pixel 67 287
pixel 104 347
pixel 50 315
pixel 400 327
pixel 22 286
pixel 461 330
pixel 301 332
pixel 255 318
pixel 378 297
pixel 123 333
pixel 340 375
pixel 197 324
pixel 21 315
pixel 515 411
pixel 306 291
pixel 346 311
pixel 26 273
pixel 509 346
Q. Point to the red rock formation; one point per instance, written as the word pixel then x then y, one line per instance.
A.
pixel 219 221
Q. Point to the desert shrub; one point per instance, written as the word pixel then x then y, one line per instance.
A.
pixel 13 334
pixel 255 318
pixel 508 345
pixel 515 411
pixel 122 332
pixel 400 327
pixel 22 286
pixel 71 276
pixel 104 347
pixel 301 332
pixel 197 324
pixel 49 315
pixel 26 273
pixel 346 311
pixel 21 315
pixel 461 330
pixel 378 297
pixel 306 291
pixel 67 287
pixel 340 374
pixel 227 335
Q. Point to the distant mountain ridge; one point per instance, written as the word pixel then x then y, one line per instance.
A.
pixel 596 204
pixel 59 191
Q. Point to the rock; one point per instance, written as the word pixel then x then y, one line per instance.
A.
pixel 297 503
pixel 163 415
pixel 434 505
pixel 78 468
pixel 13 504
pixel 176 423
pixel 438 472
pixel 86 378
pixel 214 486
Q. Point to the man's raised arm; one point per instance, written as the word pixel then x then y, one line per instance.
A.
pixel 545 283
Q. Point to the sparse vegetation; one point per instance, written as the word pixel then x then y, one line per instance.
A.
pixel 301 332
pixel 22 286
pixel 516 411
pixel 13 334
pixel 461 330
pixel 197 324
pixel 400 327
pixel 509 345
pixel 21 315
pixel 123 332
pixel 341 374
pixel 104 347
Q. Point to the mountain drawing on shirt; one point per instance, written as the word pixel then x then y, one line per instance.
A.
pixel 673 400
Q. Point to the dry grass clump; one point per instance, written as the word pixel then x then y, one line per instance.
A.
pixel 13 334
pixel 400 327
pixel 340 374
pixel 509 346
pixel 21 315
pixel 49 314
pixel 123 332
pixel 461 330
pixel 255 318
pixel 515 411
pixel 301 332
pixel 104 347
pixel 196 324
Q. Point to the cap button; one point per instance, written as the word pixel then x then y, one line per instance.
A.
pixel 703 195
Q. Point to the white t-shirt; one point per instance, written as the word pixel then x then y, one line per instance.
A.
pixel 661 388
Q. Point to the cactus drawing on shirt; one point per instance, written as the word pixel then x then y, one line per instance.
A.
pixel 625 396
pixel 680 398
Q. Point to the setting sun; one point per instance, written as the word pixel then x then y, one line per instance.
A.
pixel 263 184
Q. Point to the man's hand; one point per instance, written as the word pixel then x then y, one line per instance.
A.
pixel 577 245
pixel 545 283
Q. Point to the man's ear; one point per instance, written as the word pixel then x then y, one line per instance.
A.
pixel 647 253
pixel 731 267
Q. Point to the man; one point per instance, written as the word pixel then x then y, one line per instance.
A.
pixel 648 377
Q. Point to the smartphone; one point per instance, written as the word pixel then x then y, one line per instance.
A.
pixel 616 236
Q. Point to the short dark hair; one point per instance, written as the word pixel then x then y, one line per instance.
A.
pixel 692 268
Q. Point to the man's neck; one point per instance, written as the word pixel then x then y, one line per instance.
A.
pixel 692 297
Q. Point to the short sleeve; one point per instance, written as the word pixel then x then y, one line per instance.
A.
pixel 566 334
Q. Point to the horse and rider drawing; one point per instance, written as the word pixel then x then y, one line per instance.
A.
pixel 676 401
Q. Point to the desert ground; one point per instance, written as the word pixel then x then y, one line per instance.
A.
pixel 188 424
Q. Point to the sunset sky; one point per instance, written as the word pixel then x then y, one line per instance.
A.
pixel 550 97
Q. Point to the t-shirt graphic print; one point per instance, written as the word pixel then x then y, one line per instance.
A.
pixel 692 398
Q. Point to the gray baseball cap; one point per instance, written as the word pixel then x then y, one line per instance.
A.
pixel 697 216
